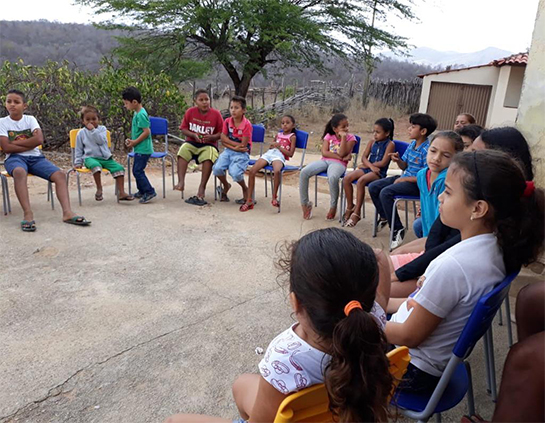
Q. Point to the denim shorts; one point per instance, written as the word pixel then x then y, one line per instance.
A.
pixel 35 165
pixel 234 161
pixel 272 155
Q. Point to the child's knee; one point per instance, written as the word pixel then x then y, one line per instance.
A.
pixel 19 172
pixel 58 176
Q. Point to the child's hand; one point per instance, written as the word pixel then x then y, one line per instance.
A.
pixel 399 180
pixel 198 137
pixel 129 143
pixel 394 157
pixel 274 145
pixel 375 169
pixel 205 139
pixel 90 126
pixel 343 134
pixel 362 166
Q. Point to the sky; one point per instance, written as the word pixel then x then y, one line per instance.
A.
pixel 464 26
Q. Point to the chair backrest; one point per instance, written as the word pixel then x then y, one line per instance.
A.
pixel 258 136
pixel 312 404
pixel 481 318
pixel 159 126
pixel 73 136
pixel 400 148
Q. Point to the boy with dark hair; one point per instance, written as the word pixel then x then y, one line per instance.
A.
pixel 20 138
pixel 141 143
pixel 384 191
pixel 202 128
pixel 236 137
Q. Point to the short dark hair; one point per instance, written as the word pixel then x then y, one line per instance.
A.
pixel 469 116
pixel 200 91
pixel 425 121
pixel 453 137
pixel 19 93
pixel 472 131
pixel 239 99
pixel 131 93
pixel 88 109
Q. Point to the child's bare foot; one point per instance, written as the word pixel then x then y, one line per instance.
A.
pixel 98 195
pixel 179 186
pixel 331 214
pixel 307 211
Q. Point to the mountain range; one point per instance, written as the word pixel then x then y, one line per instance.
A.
pixel 430 57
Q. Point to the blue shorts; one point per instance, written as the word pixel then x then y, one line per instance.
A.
pixel 35 165
pixel 234 161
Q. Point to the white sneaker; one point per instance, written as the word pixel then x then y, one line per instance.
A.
pixel 398 239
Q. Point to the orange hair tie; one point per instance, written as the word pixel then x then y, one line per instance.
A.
pixel 351 306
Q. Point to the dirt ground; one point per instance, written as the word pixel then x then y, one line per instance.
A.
pixel 154 309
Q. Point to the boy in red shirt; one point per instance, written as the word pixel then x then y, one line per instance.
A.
pixel 236 137
pixel 202 127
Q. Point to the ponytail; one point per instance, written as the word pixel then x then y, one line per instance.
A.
pixel 516 213
pixel 333 123
pixel 357 379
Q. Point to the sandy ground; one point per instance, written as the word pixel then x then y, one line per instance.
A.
pixel 154 309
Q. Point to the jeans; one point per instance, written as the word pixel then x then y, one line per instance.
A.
pixel 382 193
pixel 335 172
pixel 138 169
pixel 234 161
pixel 417 228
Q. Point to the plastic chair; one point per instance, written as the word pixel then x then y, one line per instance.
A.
pixel 6 203
pixel 312 404
pixel 73 136
pixel 355 152
pixel 158 127
pixel 301 141
pixel 258 136
pixel 456 381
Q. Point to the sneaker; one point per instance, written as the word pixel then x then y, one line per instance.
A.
pixel 138 195
pixel 146 198
pixel 398 239
pixel 381 224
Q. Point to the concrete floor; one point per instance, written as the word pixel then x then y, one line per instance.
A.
pixel 154 309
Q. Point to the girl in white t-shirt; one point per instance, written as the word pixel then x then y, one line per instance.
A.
pixel 500 218
pixel 279 152
pixel 339 288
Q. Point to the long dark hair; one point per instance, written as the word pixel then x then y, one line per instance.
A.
pixel 510 140
pixel 387 125
pixel 327 269
pixel 516 214
pixel 333 123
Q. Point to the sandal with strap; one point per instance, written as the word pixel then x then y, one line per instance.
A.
pixel 28 225
pixel 275 202
pixel 348 213
pixel 245 207
pixel 351 222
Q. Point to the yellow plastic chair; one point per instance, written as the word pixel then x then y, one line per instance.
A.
pixel 6 203
pixel 312 404
pixel 73 135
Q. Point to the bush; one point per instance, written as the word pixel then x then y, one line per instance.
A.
pixel 55 94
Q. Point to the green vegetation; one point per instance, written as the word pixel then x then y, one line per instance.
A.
pixel 55 94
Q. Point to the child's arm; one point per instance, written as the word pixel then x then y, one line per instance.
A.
pixel 406 179
pixel 416 329
pixel 384 279
pixel 386 158
pixel 22 145
pixel 365 163
pixel 395 158
pixel 98 135
pixel 194 135
pixel 328 154
pixel 145 133
pixel 345 150
pixel 266 404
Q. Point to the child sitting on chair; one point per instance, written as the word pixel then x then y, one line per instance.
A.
pixel 93 152
pixel 331 306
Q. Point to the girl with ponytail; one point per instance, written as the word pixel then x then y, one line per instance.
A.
pixel 500 217
pixel 339 288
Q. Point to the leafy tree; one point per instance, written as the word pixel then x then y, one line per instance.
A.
pixel 244 36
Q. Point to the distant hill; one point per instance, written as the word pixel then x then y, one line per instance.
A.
pixel 84 45
pixel 430 57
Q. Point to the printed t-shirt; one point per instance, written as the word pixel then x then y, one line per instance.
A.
pixel 209 123
pixel 453 283
pixel 236 133
pixel 18 130
pixel 291 364
pixel 140 121
pixel 285 142
pixel 335 146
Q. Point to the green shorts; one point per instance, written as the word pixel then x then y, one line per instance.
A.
pixel 95 164
pixel 201 154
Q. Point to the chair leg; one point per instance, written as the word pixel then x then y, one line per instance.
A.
pixel 4 201
pixel 508 318
pixel 500 317
pixel 492 365
pixel 129 173
pixel 486 348
pixel 375 224
pixel 215 189
pixel 164 179
pixel 173 171
pixel 407 215
pixel 280 192
pixel 394 208
pixel 50 190
pixel 341 214
pixel 470 395
pixel 438 417
pixel 316 191
pixel 266 182
pixel 79 188
pixel 7 195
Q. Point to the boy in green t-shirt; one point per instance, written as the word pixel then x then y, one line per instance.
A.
pixel 140 142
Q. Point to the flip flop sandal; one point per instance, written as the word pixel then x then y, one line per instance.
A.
pixel 127 198
pixel 100 197
pixel 196 201
pixel 329 217
pixel 275 203
pixel 245 207
pixel 351 223
pixel 307 215
pixel 28 225
pixel 78 221
pixel 240 201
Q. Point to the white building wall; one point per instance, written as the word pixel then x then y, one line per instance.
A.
pixel 498 115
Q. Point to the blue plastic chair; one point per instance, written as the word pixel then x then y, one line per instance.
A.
pixel 355 152
pixel 301 141
pixel 258 136
pixel 158 127
pixel 456 380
